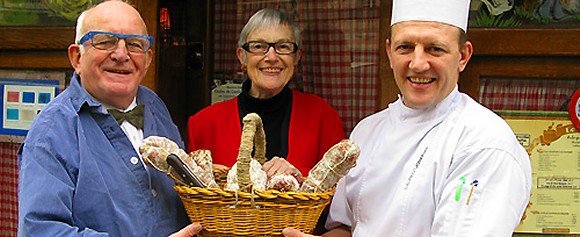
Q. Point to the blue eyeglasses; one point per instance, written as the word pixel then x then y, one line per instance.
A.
pixel 108 41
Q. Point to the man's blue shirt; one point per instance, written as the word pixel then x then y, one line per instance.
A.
pixel 79 175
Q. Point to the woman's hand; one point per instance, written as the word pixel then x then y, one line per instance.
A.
pixel 279 165
pixel 188 231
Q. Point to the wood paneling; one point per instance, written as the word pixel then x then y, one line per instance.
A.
pixel 149 10
pixel 29 59
pixel 36 38
pixel 387 87
pixel 525 41
pixel 539 67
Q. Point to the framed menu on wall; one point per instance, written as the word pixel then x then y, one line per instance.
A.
pixel 553 144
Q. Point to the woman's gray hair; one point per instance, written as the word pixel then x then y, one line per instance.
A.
pixel 268 17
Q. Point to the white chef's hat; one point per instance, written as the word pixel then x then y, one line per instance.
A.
pixel 453 12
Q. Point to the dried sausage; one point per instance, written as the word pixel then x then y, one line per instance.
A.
pixel 334 165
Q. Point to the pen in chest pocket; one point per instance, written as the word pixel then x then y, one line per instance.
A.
pixel 473 185
pixel 459 188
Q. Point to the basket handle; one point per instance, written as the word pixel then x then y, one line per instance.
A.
pixel 252 136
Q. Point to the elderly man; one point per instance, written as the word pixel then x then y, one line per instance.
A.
pixel 79 170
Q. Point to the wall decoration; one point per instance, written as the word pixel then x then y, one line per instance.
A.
pixel 42 12
pixel 552 143
pixel 24 93
pixel 525 13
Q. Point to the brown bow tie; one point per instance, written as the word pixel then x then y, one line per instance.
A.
pixel 134 116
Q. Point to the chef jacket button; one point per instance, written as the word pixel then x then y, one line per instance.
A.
pixel 154 192
pixel 134 160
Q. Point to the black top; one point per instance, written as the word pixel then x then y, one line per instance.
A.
pixel 275 113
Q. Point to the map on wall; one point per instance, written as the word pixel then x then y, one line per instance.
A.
pixel 42 12
pixel 524 13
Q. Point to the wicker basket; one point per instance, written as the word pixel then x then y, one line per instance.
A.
pixel 251 212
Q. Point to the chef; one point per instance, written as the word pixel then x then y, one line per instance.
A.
pixel 435 162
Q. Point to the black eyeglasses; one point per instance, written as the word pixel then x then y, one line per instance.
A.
pixel 108 41
pixel 261 47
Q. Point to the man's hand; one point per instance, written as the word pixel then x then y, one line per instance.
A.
pixel 188 231
pixel 290 232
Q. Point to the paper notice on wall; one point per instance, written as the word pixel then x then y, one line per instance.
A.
pixel 225 92
pixel 554 149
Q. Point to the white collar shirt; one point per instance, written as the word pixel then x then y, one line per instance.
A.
pixel 407 177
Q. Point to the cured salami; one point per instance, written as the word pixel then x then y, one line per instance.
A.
pixel 334 165
pixel 257 177
pixel 154 151
pixel 247 172
pixel 283 183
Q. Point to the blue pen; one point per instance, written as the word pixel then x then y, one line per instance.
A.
pixel 459 188
pixel 473 185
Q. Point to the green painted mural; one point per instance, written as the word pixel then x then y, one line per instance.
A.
pixel 525 13
pixel 42 12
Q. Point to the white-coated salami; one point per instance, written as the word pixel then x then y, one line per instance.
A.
pixel 283 183
pixel 257 177
pixel 334 165
pixel 154 151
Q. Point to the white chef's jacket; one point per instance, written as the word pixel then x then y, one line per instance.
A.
pixel 415 172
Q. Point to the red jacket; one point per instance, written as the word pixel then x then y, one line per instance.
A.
pixel 314 127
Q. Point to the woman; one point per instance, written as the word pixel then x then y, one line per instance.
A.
pixel 299 127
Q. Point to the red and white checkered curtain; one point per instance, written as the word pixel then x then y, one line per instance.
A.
pixel 340 49
pixel 8 189
pixel 527 94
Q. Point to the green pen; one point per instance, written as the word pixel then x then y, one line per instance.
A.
pixel 459 188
